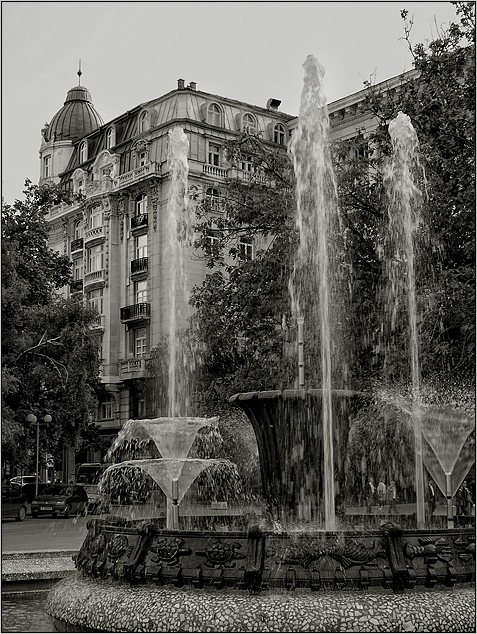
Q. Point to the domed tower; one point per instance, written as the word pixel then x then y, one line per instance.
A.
pixel 77 118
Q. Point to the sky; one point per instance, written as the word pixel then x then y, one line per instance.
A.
pixel 132 52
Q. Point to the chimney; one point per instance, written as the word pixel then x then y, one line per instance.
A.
pixel 272 104
pixel 180 84
pixel 193 85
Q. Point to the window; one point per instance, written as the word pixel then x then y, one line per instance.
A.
pixel 142 159
pixel 141 247
pixel 279 134
pixel 95 258
pixel 249 123
pixel 141 205
pixel 78 269
pixel 213 239
pixel 214 115
pixel 141 406
pixel 83 152
pixel 96 218
pixel 140 292
pixel 246 249
pixel 47 166
pixel 95 300
pixel 110 138
pixel 143 122
pixel 140 343
pixel 78 229
pixel 107 408
pixel 214 154
pixel 212 197
pixel 246 164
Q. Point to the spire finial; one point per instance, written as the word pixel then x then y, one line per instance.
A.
pixel 79 73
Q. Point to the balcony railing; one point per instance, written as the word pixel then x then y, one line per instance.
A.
pixel 77 245
pixel 137 174
pixel 139 266
pixel 94 276
pixel 139 221
pixel 136 312
pixel 92 234
pixel 76 286
pixel 132 369
pixel 247 177
pixel 213 170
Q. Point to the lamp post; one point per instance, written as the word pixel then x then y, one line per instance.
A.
pixel 31 418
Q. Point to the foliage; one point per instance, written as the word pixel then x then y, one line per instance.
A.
pixel 50 360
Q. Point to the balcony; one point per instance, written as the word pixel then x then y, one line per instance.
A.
pixel 76 286
pixel 98 234
pixel 139 221
pixel 77 245
pixel 140 265
pixel 98 323
pixel 94 276
pixel 213 170
pixel 136 312
pixel 137 174
pixel 132 369
pixel 248 177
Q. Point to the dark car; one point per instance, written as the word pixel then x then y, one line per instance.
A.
pixel 13 503
pixel 60 499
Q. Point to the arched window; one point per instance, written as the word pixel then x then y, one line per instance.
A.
pixel 110 138
pixel 143 122
pixel 141 205
pixel 78 229
pixel 214 115
pixel 249 123
pixel 83 153
pixel 279 134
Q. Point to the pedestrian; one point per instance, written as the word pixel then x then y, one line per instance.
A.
pixel 370 494
pixel 391 496
pixel 432 497
pixel 381 491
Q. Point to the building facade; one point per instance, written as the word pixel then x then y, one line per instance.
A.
pixel 114 231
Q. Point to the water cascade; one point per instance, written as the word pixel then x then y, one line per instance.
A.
pixel 403 223
pixel 316 205
pixel 178 232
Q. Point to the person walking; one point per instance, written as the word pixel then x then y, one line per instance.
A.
pixel 432 497
pixel 391 496
pixel 381 490
pixel 370 494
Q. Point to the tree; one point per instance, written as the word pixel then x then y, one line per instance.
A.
pixel 50 360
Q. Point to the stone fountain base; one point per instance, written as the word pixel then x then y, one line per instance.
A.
pixel 86 605
pixel 135 576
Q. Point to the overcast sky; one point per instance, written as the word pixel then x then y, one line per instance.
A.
pixel 132 52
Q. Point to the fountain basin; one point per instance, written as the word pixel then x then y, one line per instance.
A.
pixel 134 576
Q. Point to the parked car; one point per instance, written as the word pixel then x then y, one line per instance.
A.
pixel 29 489
pixel 60 499
pixel 13 503
pixel 97 502
pixel 25 479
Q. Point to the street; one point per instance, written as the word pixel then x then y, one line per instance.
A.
pixel 43 533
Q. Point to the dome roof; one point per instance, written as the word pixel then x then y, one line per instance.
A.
pixel 76 118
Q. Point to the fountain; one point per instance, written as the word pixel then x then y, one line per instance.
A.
pixel 302 571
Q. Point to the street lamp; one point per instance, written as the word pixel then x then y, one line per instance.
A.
pixel 31 418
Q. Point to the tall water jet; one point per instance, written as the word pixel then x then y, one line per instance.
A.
pixel 315 213
pixel 403 223
pixel 178 232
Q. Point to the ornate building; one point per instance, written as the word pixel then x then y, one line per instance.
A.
pixel 114 233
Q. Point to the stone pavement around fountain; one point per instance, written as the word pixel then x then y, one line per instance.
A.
pixel 108 606
pixel 23 572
